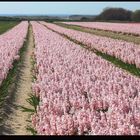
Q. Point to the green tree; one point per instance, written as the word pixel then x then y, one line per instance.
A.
pixel 136 15
pixel 115 14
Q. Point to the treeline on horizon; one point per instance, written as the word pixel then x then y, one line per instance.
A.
pixel 119 14
pixel 108 14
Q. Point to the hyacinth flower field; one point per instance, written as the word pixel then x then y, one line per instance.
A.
pixel 69 82
pixel 127 52
pixel 9 47
pixel 114 27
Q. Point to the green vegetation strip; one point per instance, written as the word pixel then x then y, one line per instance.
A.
pixel 120 36
pixel 119 63
pixel 6 25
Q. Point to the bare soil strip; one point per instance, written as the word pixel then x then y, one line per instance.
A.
pixel 16 123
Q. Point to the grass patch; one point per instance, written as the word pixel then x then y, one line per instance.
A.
pixel 6 25
pixel 125 37
pixel 117 62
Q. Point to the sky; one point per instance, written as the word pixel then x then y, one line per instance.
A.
pixel 66 8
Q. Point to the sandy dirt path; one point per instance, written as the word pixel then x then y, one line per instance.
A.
pixel 16 123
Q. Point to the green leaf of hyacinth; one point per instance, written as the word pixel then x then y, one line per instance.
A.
pixel 25 109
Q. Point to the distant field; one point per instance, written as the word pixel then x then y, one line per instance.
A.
pixel 6 25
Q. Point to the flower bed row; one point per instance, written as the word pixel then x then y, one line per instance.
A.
pixel 114 27
pixel 81 93
pixel 10 44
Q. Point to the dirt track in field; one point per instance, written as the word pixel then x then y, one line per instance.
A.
pixel 16 122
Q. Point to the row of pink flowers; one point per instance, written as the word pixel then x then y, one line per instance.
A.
pixel 116 27
pixel 127 52
pixel 10 43
pixel 81 93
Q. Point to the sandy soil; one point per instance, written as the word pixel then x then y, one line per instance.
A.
pixel 16 122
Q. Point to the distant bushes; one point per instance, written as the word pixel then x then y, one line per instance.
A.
pixel 118 14
pixel 9 19
pixel 136 15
